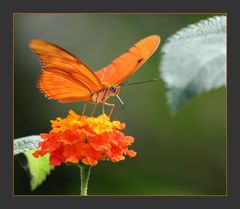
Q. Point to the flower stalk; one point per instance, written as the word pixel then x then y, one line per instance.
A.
pixel 85 172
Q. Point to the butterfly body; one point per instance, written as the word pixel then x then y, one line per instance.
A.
pixel 67 79
pixel 103 95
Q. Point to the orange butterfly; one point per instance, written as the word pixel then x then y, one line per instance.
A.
pixel 67 79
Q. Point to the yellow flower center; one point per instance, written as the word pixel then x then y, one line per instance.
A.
pixel 99 125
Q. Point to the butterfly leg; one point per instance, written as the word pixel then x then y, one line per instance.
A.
pixel 103 108
pixel 84 108
pixel 94 108
pixel 111 105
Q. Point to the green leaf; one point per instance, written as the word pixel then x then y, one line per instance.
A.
pixel 24 144
pixel 39 168
pixel 194 61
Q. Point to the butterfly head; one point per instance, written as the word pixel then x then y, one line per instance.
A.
pixel 114 90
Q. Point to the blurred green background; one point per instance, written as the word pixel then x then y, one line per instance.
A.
pixel 180 155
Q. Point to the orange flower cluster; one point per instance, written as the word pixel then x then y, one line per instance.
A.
pixel 76 139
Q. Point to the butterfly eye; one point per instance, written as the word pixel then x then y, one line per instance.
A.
pixel 113 89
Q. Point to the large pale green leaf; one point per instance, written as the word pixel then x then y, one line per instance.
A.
pixel 39 168
pixel 194 60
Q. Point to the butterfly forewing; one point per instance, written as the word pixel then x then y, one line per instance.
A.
pixel 125 65
pixel 64 77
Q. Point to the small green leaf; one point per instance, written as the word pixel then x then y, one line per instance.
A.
pixel 39 168
pixel 194 60
pixel 24 144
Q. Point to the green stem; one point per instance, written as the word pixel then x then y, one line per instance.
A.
pixel 85 171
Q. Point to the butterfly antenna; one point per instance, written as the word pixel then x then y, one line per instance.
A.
pixel 127 84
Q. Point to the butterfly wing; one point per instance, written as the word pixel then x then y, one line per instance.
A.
pixel 63 77
pixel 126 64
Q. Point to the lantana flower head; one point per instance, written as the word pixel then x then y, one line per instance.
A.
pixel 77 139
